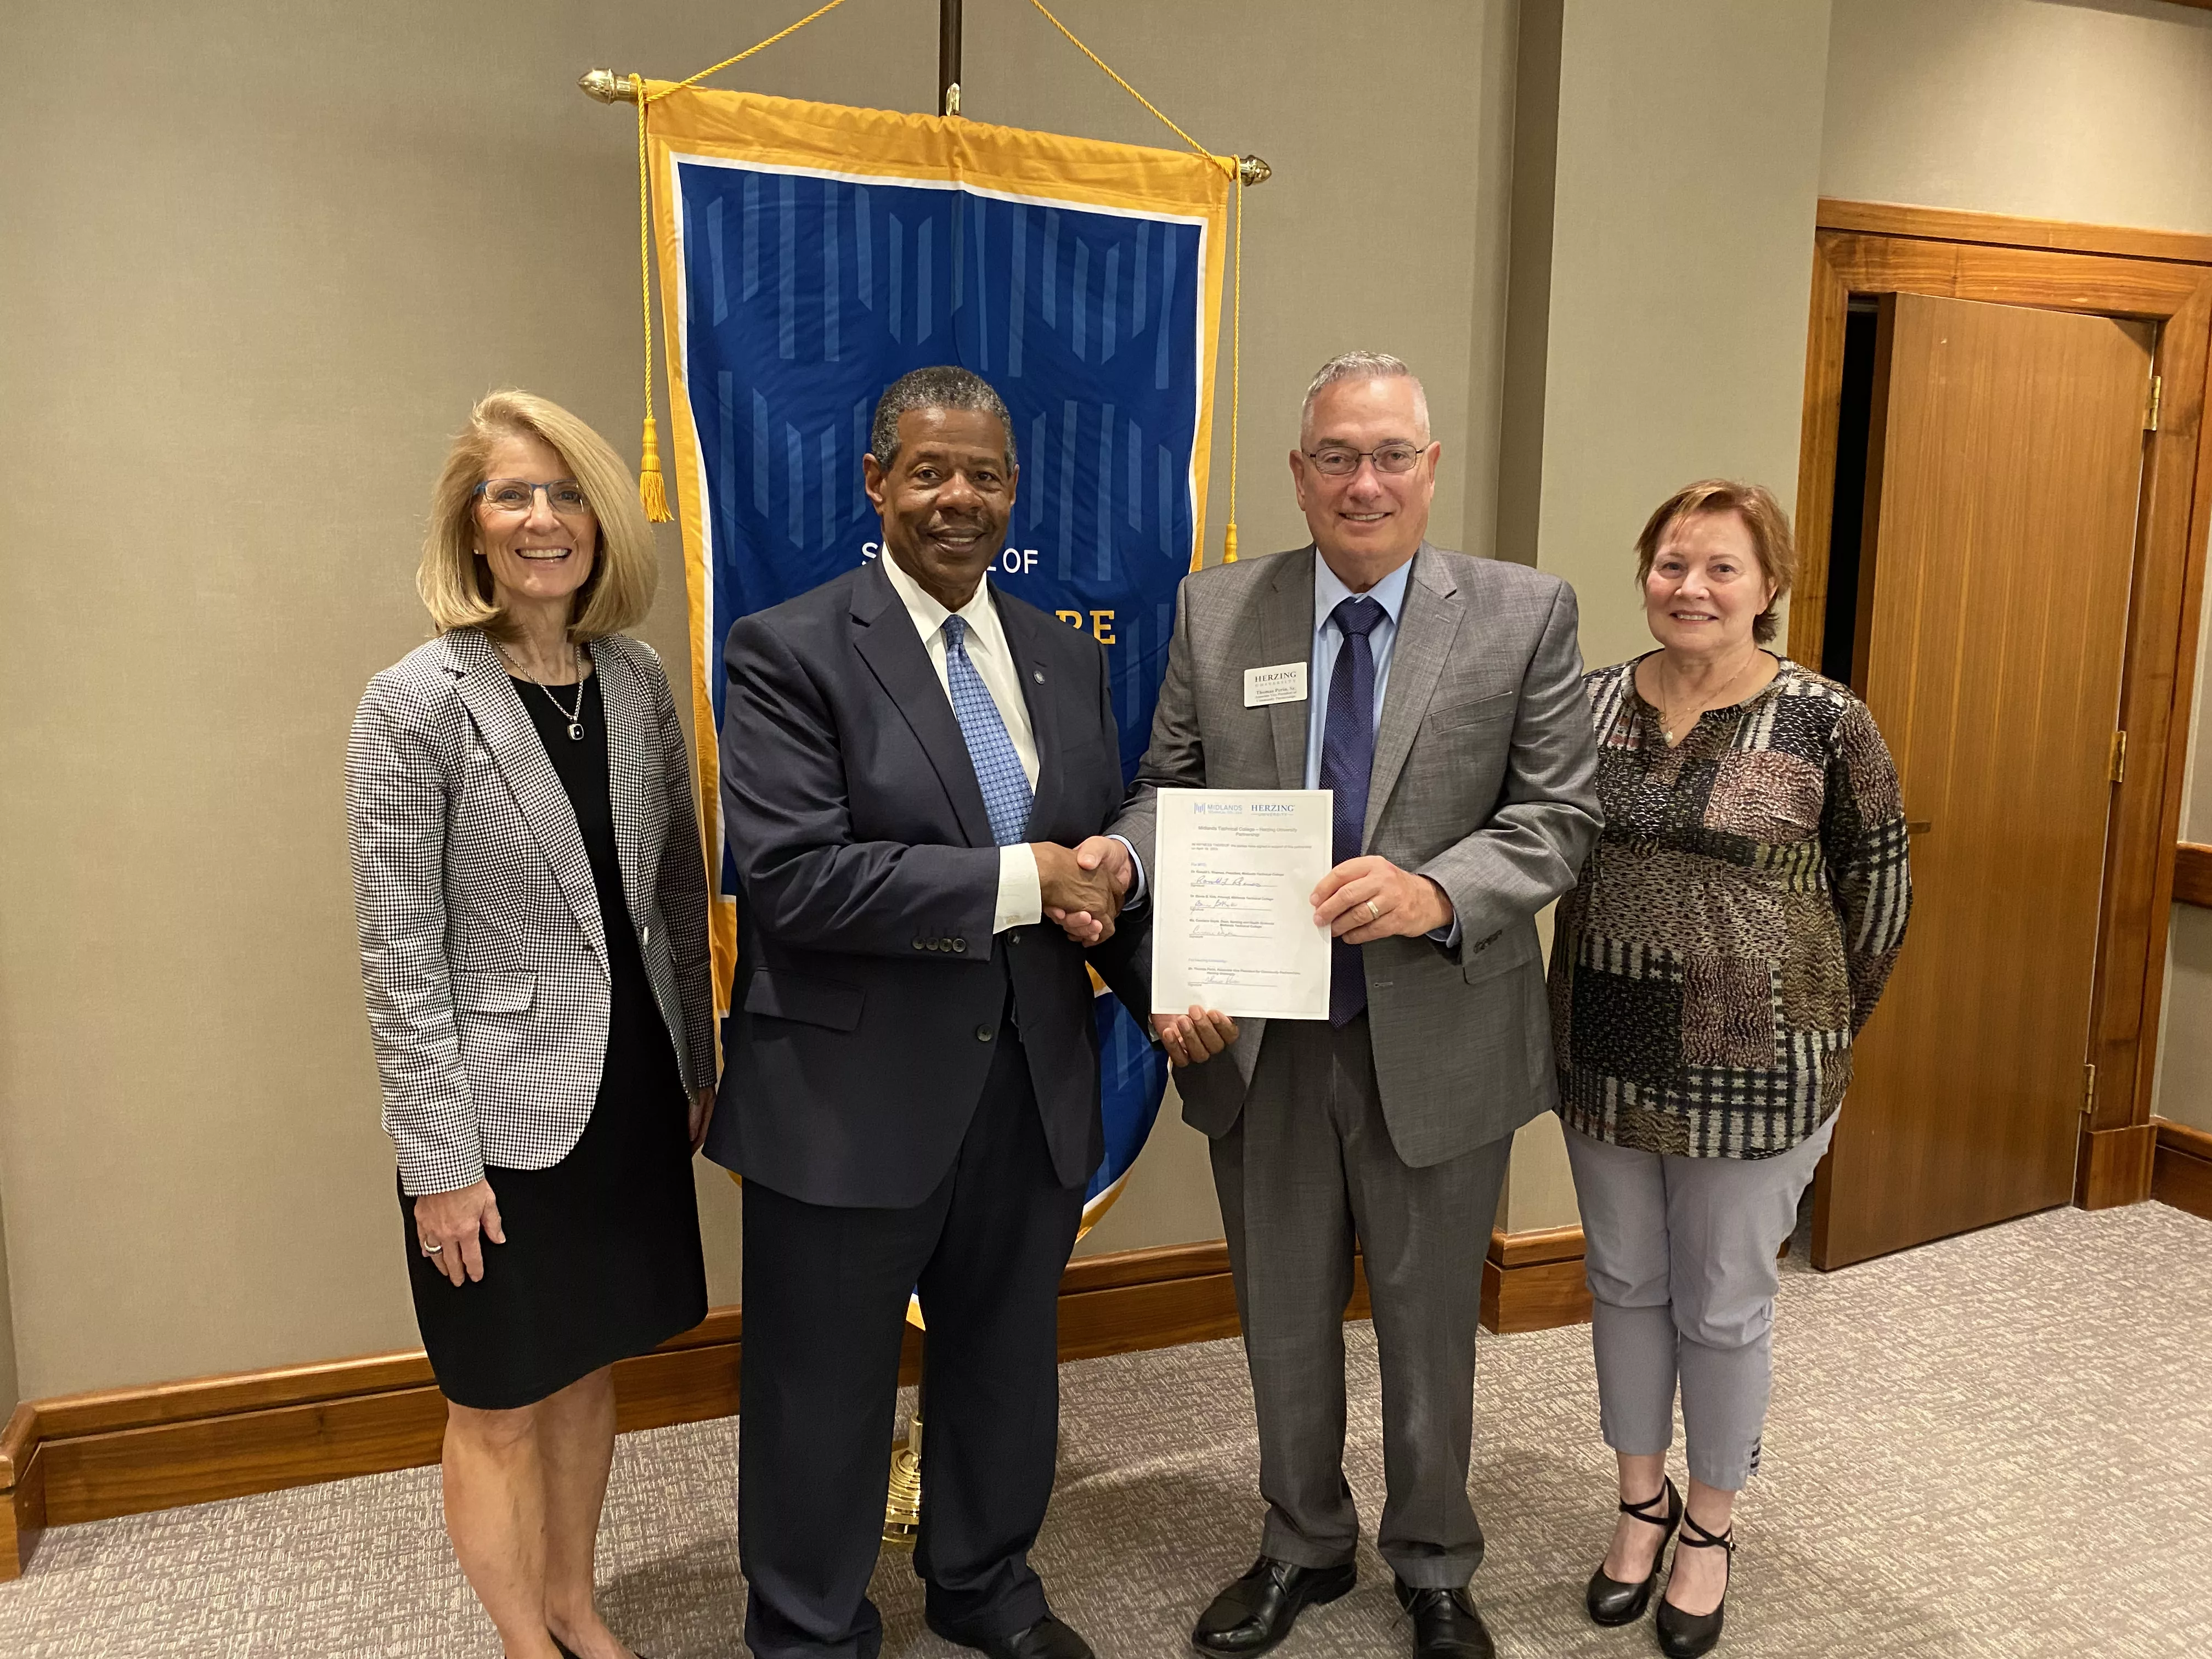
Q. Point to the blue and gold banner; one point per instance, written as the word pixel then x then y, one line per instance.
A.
pixel 809 254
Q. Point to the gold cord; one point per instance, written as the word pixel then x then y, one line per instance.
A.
pixel 778 35
pixel 1228 164
pixel 1235 369
pixel 652 492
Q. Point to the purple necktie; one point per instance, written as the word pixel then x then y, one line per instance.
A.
pixel 1347 755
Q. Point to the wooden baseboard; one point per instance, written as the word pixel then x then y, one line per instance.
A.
pixel 2114 1167
pixel 92 1456
pixel 1532 1281
pixel 2181 1170
pixel 2193 874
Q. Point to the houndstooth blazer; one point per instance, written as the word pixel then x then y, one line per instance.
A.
pixel 482 947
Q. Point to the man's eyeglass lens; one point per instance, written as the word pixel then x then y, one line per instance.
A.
pixel 515 496
pixel 1342 463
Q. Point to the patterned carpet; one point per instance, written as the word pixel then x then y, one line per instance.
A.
pixel 2001 1444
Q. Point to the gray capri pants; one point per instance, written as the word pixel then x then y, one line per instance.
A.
pixel 1680 1253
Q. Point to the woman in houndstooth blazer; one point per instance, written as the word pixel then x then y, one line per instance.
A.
pixel 532 902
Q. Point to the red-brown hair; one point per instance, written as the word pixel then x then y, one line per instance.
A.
pixel 1762 516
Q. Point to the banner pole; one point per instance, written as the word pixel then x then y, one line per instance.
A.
pixel 948 57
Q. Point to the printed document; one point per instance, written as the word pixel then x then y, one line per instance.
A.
pixel 1233 887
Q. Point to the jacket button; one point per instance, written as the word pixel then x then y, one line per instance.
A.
pixel 921 945
pixel 958 945
pixel 944 945
pixel 982 1034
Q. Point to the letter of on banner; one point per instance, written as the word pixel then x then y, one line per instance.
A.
pixel 809 254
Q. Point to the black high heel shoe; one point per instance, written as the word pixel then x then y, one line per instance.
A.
pixel 1610 1601
pixel 1685 1635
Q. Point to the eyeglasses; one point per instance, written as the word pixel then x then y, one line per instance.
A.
pixel 564 495
pixel 1338 463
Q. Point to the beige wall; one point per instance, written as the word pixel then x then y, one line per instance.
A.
pixel 258 266
pixel 1685 148
pixel 2097 112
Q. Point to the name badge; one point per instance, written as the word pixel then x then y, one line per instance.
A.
pixel 1283 683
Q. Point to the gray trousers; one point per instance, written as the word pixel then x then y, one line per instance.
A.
pixel 1307 1169
pixel 1680 1253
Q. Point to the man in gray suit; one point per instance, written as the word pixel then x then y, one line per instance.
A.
pixel 1440 697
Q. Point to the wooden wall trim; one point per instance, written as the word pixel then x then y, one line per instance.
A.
pixel 2181 1173
pixel 2006 230
pixel 2192 865
pixel 127 1451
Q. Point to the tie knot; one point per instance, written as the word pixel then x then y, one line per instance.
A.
pixel 956 628
pixel 1357 615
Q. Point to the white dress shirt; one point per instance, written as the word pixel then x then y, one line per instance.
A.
pixel 1021 892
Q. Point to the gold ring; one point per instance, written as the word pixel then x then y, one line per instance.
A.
pixel 1374 913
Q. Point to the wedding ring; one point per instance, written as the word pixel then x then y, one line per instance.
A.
pixel 433 1249
pixel 1374 912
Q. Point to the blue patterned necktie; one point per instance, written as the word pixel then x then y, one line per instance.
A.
pixel 998 768
pixel 1347 755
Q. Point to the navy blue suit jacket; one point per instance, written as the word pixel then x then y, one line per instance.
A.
pixel 871 991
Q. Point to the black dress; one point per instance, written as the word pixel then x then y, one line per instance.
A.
pixel 602 1259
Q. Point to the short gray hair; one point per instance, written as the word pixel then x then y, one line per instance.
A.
pixel 942 385
pixel 1365 365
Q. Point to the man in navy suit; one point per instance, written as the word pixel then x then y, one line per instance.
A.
pixel 915 771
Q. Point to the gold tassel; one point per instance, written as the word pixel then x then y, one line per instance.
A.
pixel 650 490
pixel 1229 544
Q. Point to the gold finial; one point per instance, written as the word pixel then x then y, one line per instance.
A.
pixel 609 87
pixel 1254 171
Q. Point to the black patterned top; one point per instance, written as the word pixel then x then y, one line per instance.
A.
pixel 1736 923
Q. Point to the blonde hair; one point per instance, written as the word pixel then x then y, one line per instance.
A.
pixel 456 585
pixel 1762 516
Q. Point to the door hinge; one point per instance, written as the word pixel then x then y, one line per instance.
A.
pixel 2088 1090
pixel 2116 768
pixel 2150 414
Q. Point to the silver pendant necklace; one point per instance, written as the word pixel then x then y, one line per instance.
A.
pixel 574 717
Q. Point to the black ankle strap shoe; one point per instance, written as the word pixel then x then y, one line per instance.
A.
pixel 1618 1602
pixel 1685 1635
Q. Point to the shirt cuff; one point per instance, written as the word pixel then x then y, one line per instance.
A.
pixel 1447 935
pixel 1021 892
pixel 1136 893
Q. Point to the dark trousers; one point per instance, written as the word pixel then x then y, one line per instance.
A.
pixel 825 1297
pixel 1306 1172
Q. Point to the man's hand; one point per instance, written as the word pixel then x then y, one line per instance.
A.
pixel 1093 886
pixel 1371 898
pixel 702 1113
pixel 1193 1038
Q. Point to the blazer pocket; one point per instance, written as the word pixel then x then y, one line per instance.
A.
pixel 494 993
pixel 1461 715
pixel 783 995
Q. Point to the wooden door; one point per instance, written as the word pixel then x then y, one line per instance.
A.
pixel 2005 465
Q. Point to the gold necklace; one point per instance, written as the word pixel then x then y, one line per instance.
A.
pixel 1666 722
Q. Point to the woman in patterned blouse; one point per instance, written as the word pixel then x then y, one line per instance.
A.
pixel 1730 935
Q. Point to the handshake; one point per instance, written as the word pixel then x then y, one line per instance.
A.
pixel 1084 885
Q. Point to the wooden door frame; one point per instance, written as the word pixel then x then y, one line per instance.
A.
pixel 2164 277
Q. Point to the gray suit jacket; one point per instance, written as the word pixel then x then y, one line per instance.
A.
pixel 1485 778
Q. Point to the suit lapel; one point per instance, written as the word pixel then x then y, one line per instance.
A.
pixel 516 749
pixel 884 634
pixel 630 739
pixel 1022 627
pixel 1428 623
pixel 1286 627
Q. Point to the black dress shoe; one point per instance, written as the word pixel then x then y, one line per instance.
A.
pixel 1616 1601
pixel 1445 1624
pixel 1685 1635
pixel 1048 1638
pixel 1257 1611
